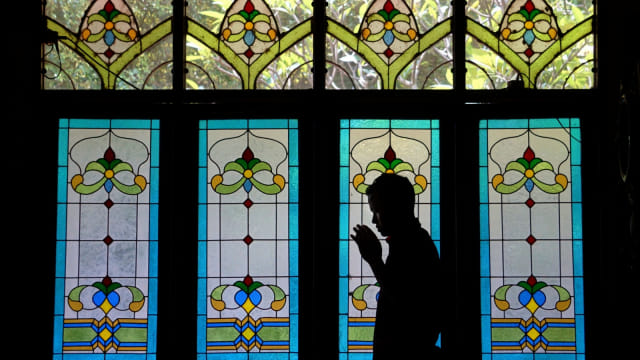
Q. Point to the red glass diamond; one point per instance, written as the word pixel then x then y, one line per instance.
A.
pixel 109 7
pixel 531 239
pixel 248 53
pixel 388 6
pixel 388 53
pixel 248 239
pixel 529 154
pixel 248 203
pixel 529 6
pixel 530 202
pixel 108 203
pixel 528 52
pixel 108 240
pixel 109 53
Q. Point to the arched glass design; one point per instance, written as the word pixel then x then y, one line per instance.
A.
pixel 389 44
pixel 367 149
pixel 248 239
pixel 547 44
pixel 531 239
pixel 109 44
pixel 107 240
pixel 249 44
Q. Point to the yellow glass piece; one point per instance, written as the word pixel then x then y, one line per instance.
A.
pixel 533 333
pixel 422 181
pixel 278 304
pixel 248 333
pixel 366 33
pixel 528 173
pixel 108 25
pixel 135 306
pixel 106 306
pixel 562 180
pixel 278 180
pixel 215 181
pixel 248 174
pixel 85 34
pixel 505 33
pixel 532 306
pixel 497 180
pixel 248 306
pixel 389 171
pixel 218 304
pixel 388 25
pixel 226 33
pixel 76 180
pixel 528 25
pixel 357 180
pixel 140 181
pixel 412 34
pixel 108 174
pixel 248 25
pixel 563 305
pixel 75 305
pixel 132 34
pixel 502 304
pixel 359 304
pixel 105 334
pixel 272 34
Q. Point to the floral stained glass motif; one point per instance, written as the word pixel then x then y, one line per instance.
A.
pixel 369 148
pixel 531 239
pixel 249 44
pixel 248 239
pixel 548 44
pixel 109 44
pixel 389 44
pixel 106 243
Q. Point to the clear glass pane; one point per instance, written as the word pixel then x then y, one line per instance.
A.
pixel 249 44
pixel 531 238
pixel 548 44
pixel 108 44
pixel 248 239
pixel 405 44
pixel 410 147
pixel 107 249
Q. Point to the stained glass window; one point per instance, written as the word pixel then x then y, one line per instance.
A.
pixel 109 44
pixel 389 44
pixel 531 239
pixel 248 239
pixel 249 44
pixel 106 244
pixel 548 44
pixel 367 149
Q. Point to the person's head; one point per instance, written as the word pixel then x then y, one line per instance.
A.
pixel 392 200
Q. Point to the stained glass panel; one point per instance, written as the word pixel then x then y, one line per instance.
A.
pixel 249 44
pixel 108 44
pixel 248 239
pixel 548 44
pixel 369 147
pixel 531 239
pixel 106 243
pixel 389 44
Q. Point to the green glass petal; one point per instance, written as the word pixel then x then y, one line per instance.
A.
pixel 548 188
pixel 417 189
pixel 252 163
pixel 121 18
pixel 96 17
pixel 563 294
pixel 278 294
pixel 216 294
pixel 271 189
pixel 403 167
pixel 234 166
pixel 75 293
pixel 138 295
pixel 401 18
pixel 375 37
pixel 358 293
pixel 238 17
pixel 376 17
pixel 262 18
pixel 134 189
pixel 95 166
pixel 510 189
pixel 123 166
pixel 260 166
pixel 228 189
pixel 374 165
pixel 90 189
pixel 362 188
pixel 516 166
pixel 541 165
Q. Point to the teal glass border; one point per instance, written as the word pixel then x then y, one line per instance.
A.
pixel 64 126
pixel 572 126
pixel 293 187
pixel 343 242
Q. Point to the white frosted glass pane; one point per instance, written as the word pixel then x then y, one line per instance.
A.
pixel 233 259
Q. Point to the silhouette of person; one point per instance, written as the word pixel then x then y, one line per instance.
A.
pixel 408 318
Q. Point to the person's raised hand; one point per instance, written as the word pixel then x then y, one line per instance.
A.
pixel 368 244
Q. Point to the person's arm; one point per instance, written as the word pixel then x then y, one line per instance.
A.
pixel 370 249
